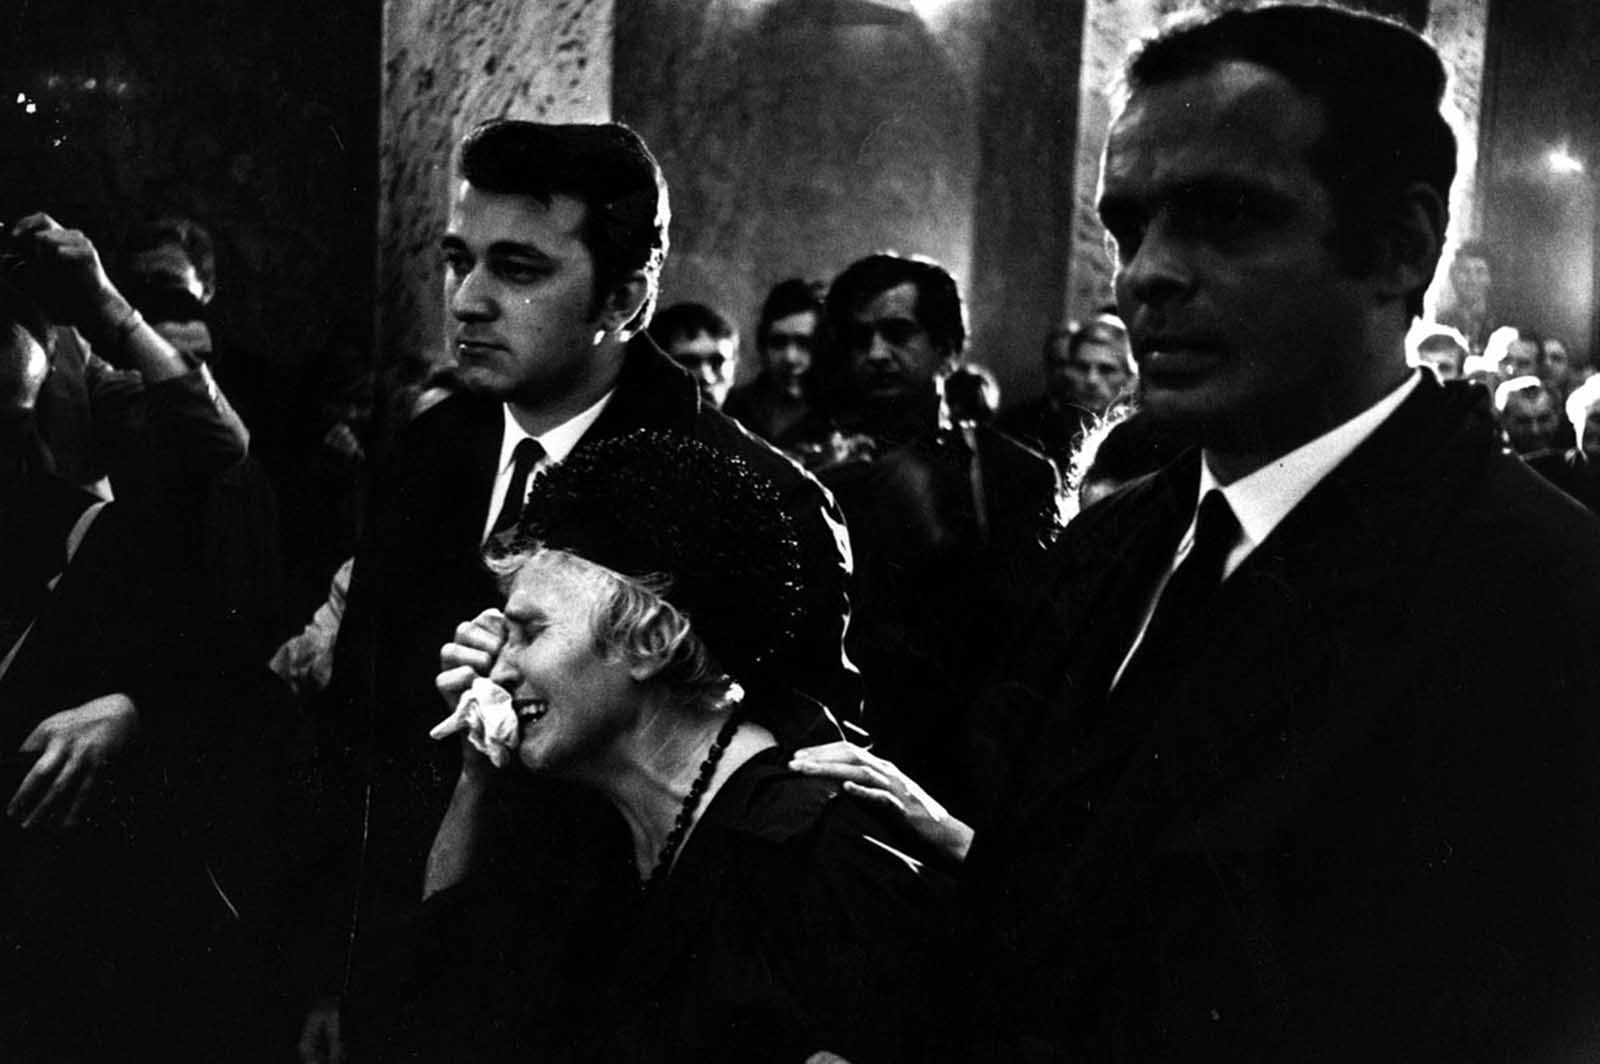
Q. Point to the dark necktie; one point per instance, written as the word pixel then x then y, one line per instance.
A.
pixel 1194 582
pixel 523 459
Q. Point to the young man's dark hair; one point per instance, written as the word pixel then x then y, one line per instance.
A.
pixel 607 167
pixel 184 233
pixel 939 306
pixel 1379 83
pixel 685 321
pixel 794 296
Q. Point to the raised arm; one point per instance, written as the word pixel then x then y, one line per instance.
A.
pixel 469 656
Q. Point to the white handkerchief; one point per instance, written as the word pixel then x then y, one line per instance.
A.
pixel 485 713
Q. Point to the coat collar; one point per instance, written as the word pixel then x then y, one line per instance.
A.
pixel 652 392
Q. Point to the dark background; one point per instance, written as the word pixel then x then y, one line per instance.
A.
pixel 259 120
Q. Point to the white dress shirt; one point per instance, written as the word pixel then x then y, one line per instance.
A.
pixel 1263 499
pixel 557 444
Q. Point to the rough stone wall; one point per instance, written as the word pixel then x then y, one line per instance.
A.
pixel 1460 29
pixel 448 65
pixel 794 142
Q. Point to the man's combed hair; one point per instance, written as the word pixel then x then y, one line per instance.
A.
pixel 607 167
pixel 1380 85
pixel 794 296
pixel 685 321
pixel 940 311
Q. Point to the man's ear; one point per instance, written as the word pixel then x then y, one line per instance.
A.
pixel 622 303
pixel 1412 239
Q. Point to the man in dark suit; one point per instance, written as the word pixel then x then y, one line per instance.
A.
pixel 945 514
pixel 1303 781
pixel 556 239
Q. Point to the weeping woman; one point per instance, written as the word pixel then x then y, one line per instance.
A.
pixel 752 912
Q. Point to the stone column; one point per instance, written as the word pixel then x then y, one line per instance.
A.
pixel 1460 30
pixel 447 65
pixel 1109 29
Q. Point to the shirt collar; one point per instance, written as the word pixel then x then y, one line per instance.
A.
pixel 557 442
pixel 1263 499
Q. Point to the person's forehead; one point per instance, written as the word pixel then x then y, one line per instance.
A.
pixel 1235 121
pixel 801 323
pixel 548 584
pixel 700 345
pixel 1099 352
pixel 899 301
pixel 480 216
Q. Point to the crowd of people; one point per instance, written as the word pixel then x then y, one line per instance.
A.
pixel 1206 706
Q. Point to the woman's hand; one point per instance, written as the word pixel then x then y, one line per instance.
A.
pixel 871 777
pixel 470 654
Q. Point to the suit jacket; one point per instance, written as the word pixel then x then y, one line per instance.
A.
pixel 1353 818
pixel 947 535
pixel 419 574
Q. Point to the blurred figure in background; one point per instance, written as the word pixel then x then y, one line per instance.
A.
pixel 1440 348
pixel 1558 374
pixel 972 394
pixel 1514 352
pixel 1530 420
pixel 703 342
pixel 1577 471
pixel 778 399
pixel 1465 306
pixel 946 516
pixel 1086 367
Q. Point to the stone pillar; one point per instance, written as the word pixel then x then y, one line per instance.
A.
pixel 1460 29
pixel 1109 29
pixel 1022 225
pixel 447 65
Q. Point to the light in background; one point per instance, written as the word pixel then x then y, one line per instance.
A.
pixel 1562 161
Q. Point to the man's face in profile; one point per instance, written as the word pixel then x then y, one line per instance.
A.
pixel 1239 310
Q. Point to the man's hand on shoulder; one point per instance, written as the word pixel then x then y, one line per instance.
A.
pixel 74 749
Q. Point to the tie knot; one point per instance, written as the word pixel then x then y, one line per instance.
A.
pixel 527 453
pixel 1215 527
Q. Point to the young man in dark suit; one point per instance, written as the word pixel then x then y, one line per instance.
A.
pixel 552 257
pixel 1303 783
